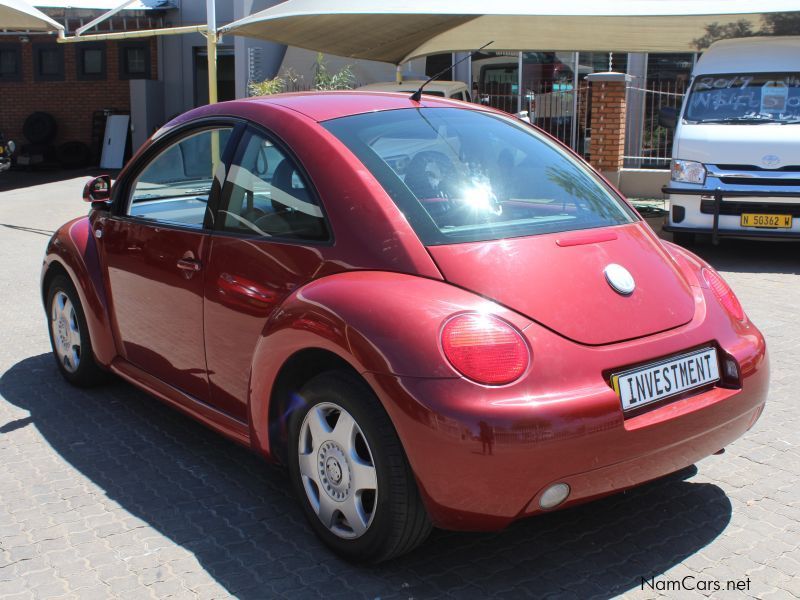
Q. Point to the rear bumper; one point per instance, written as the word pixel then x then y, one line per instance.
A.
pixel 742 410
pixel 483 456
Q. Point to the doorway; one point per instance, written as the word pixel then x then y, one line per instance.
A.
pixel 226 77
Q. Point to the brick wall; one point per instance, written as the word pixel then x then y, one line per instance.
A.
pixel 608 121
pixel 71 101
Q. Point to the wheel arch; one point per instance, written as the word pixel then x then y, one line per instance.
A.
pixel 51 271
pixel 72 251
pixel 296 371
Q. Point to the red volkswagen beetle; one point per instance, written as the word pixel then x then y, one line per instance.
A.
pixel 432 313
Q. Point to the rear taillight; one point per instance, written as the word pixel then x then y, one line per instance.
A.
pixel 724 293
pixel 485 349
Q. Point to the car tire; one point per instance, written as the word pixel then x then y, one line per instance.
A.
pixel 69 335
pixel 330 459
pixel 683 239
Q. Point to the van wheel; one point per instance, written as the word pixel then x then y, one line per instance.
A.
pixel 350 473
pixel 69 335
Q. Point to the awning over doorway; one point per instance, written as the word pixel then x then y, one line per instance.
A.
pixel 395 31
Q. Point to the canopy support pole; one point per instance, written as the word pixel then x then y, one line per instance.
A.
pixel 211 46
pixel 136 33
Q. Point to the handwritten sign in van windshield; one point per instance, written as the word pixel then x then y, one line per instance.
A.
pixel 744 98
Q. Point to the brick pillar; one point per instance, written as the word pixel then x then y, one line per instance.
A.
pixel 607 122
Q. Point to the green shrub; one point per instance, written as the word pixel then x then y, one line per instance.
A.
pixel 290 80
pixel 344 79
pixel 267 87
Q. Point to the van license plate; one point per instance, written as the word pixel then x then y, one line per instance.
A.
pixel 666 378
pixel 771 221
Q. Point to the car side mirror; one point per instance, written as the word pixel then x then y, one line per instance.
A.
pixel 98 190
pixel 11 145
pixel 668 117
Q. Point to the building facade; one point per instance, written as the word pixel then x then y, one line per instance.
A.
pixel 156 78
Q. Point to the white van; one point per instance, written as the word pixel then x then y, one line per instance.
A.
pixel 735 169
pixel 455 90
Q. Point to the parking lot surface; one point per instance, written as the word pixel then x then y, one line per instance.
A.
pixel 106 493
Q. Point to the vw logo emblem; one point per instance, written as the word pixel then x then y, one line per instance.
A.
pixel 620 279
pixel 771 161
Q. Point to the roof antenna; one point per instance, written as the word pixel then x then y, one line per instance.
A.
pixel 416 96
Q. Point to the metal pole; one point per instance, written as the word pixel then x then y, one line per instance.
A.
pixel 519 83
pixel 211 45
pixel 573 134
pixel 125 35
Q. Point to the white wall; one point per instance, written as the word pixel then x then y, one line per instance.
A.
pixel 266 56
pixel 176 52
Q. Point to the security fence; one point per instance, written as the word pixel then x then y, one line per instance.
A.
pixel 559 108
pixel 648 145
pixel 565 113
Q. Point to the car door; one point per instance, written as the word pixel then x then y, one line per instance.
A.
pixel 154 246
pixel 269 238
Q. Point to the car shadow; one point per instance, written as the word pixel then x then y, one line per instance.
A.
pixel 236 515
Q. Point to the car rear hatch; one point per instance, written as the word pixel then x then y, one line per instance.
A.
pixel 558 280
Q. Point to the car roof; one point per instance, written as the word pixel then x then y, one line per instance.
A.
pixel 319 106
pixel 323 106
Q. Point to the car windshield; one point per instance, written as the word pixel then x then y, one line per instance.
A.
pixel 744 98
pixel 465 175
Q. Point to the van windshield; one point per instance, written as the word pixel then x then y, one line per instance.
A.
pixel 744 98
pixel 464 175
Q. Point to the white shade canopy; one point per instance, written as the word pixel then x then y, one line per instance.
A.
pixel 18 15
pixel 395 31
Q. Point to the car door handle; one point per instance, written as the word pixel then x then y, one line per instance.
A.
pixel 189 264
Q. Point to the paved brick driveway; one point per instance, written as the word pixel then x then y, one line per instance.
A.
pixel 107 493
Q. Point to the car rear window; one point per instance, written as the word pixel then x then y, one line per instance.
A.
pixel 464 175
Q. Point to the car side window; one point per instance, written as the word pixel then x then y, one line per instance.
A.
pixel 267 195
pixel 176 184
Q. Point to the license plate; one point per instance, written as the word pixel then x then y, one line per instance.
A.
pixel 666 378
pixel 771 221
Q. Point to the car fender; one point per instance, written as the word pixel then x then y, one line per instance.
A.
pixel 378 322
pixel 73 248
